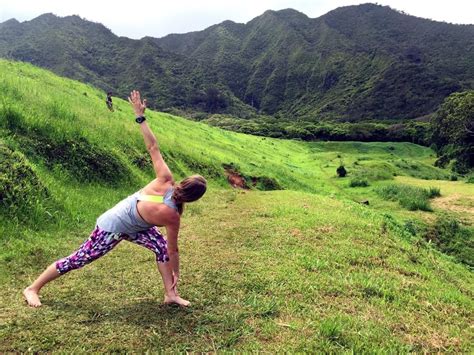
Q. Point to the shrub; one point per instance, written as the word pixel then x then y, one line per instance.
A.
pixel 341 171
pixel 358 182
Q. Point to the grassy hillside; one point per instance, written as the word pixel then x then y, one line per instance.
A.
pixel 302 268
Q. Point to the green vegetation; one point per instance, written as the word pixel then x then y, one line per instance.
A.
pixel 453 238
pixel 341 171
pixel 410 197
pixel 23 195
pixel 356 63
pixel 453 132
pixel 358 182
pixel 302 269
pixel 286 127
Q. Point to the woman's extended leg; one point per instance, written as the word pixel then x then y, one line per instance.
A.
pixel 31 292
pixel 153 240
pixel 99 243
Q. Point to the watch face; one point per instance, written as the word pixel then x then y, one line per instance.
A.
pixel 140 119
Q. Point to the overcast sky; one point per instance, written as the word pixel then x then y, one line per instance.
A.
pixel 136 19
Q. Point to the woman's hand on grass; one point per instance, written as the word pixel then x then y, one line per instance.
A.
pixel 175 282
pixel 138 105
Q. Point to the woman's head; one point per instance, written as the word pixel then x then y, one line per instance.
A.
pixel 190 189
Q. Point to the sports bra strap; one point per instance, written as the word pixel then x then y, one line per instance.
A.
pixel 151 198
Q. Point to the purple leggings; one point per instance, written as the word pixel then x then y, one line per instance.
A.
pixel 101 242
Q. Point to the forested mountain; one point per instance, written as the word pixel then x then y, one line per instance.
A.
pixel 354 63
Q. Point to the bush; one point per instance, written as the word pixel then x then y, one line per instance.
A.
pixel 358 182
pixel 341 171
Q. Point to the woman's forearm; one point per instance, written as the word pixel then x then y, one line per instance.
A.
pixel 148 136
pixel 174 262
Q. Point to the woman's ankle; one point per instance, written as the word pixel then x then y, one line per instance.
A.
pixel 33 289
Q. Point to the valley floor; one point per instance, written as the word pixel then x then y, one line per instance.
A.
pixel 269 271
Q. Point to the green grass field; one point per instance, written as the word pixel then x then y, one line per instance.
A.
pixel 303 268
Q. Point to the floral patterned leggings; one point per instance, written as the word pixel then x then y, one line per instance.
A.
pixel 101 242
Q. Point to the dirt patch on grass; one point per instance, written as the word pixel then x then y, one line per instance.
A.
pixel 242 181
pixel 326 229
pixel 455 202
pixel 235 179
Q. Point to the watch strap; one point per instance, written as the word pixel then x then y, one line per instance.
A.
pixel 140 119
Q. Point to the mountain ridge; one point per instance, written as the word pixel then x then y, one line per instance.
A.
pixel 354 63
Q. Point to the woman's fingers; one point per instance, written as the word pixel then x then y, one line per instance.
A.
pixel 135 100
pixel 135 97
pixel 175 281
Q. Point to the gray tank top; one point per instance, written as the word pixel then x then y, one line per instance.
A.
pixel 124 217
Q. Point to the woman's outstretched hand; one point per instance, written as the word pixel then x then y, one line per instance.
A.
pixel 138 105
pixel 175 281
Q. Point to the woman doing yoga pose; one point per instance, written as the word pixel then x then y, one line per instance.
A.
pixel 160 203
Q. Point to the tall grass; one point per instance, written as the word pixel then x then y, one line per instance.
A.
pixel 453 238
pixel 410 197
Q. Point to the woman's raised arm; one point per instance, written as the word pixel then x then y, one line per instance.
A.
pixel 161 169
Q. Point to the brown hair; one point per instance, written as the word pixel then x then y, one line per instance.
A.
pixel 190 189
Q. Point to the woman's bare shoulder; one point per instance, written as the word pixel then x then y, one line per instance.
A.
pixel 157 187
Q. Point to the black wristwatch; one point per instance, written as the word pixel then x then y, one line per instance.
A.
pixel 140 119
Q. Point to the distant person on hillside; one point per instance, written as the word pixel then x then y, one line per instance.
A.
pixel 109 103
pixel 159 203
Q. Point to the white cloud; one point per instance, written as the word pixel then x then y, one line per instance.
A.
pixel 158 18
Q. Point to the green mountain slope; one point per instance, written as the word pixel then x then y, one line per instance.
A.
pixel 354 63
pixel 261 267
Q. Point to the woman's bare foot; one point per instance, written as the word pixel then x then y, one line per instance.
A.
pixel 175 299
pixel 32 297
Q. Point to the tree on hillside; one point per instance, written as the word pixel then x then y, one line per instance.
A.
pixel 214 100
pixel 210 100
pixel 453 131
